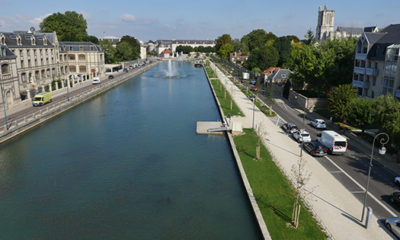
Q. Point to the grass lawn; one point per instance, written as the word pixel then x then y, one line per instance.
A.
pixel 348 127
pixel 210 72
pixel 225 102
pixel 273 193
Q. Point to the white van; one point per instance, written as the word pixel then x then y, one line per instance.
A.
pixel 96 80
pixel 336 143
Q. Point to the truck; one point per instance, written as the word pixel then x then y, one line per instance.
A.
pixel 336 143
pixel 41 99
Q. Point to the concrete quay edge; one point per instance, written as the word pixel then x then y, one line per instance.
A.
pixel 88 96
pixel 257 212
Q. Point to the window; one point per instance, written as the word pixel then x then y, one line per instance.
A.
pixel 19 42
pixel 5 69
pixel 22 63
pixel 81 57
pixel 80 48
pixel 33 41
pixel 82 69
pixel 70 48
pixel 29 63
pixel 72 68
pixel 45 41
pixel 3 40
pixel 373 81
pixel 71 57
pixel 23 77
pixel 372 94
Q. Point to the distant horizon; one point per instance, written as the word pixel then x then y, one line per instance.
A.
pixel 154 20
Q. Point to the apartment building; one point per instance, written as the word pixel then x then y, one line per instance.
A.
pixel 30 61
pixel 376 63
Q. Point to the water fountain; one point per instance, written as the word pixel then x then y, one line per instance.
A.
pixel 171 72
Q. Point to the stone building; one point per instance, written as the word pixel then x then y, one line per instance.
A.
pixel 36 60
pixel 81 60
pixel 326 27
pixel 377 61
pixel 8 76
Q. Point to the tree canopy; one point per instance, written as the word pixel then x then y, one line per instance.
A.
pixel 69 26
pixel 262 58
pixel 109 51
pixel 224 45
pixel 284 48
pixel 340 100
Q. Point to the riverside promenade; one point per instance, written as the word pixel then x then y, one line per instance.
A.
pixel 334 207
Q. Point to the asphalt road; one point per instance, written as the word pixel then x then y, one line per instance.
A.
pixel 351 169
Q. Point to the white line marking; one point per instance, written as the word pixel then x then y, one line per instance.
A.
pixel 358 192
pixel 360 186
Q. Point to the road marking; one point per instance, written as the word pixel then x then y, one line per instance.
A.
pixel 359 185
pixel 357 192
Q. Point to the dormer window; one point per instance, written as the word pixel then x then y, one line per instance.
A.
pixel 45 41
pixel 33 41
pixel 3 40
pixel 19 41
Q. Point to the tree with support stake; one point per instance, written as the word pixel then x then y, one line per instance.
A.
pixel 301 177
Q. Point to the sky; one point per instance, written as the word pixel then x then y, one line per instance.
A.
pixel 204 19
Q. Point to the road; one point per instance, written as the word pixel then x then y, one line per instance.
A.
pixel 351 169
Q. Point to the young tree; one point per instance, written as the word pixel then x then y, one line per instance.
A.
pixel 301 177
pixel 69 26
pixel 340 100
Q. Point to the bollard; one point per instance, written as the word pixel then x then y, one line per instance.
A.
pixel 369 217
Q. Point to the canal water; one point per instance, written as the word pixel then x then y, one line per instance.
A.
pixel 127 165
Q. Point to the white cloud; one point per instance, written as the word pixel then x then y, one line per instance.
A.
pixel 128 17
pixel 37 20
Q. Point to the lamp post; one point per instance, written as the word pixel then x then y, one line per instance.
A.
pixel 4 106
pixel 68 88
pixel 384 140
pixel 254 103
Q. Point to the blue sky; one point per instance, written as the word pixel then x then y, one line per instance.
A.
pixel 204 19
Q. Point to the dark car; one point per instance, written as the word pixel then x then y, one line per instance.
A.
pixel 110 76
pixel 316 149
pixel 395 198
pixel 125 70
pixel 289 127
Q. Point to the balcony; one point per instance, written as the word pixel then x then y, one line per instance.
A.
pixel 397 93
pixel 359 70
pixel 360 84
pixel 372 71
pixel 361 56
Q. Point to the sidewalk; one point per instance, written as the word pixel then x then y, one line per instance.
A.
pixel 337 210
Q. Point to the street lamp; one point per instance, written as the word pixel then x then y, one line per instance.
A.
pixel 254 103
pixel 384 140
pixel 67 80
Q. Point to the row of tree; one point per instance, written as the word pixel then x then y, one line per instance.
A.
pixel 71 26
pixel 382 112
pixel 189 49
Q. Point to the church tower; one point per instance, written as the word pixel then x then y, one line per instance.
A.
pixel 325 26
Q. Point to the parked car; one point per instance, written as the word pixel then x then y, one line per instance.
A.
pixel 125 70
pixel 110 76
pixel 393 224
pixel 395 198
pixel 289 127
pixel 318 123
pixel 41 99
pixel 253 82
pixel 397 181
pixel 315 149
pixel 302 136
pixel 96 80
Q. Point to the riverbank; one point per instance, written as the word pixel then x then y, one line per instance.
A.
pixel 256 210
pixel 28 122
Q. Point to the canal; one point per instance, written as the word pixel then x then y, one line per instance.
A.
pixel 127 165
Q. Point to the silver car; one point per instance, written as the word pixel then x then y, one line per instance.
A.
pixel 393 224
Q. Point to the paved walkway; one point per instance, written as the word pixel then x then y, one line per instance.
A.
pixel 332 204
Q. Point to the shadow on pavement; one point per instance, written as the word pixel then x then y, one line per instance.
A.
pixel 269 142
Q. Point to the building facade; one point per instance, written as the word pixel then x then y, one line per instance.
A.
pixel 36 60
pixel 376 62
pixel 161 45
pixel 326 27
pixel 9 86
